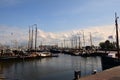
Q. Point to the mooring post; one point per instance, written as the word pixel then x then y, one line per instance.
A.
pixel 77 75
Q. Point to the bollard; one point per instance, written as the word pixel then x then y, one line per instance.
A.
pixel 77 75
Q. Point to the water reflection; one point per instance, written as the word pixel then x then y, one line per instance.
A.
pixel 60 68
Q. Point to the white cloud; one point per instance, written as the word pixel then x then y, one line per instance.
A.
pixel 8 34
pixel 41 34
pixel 99 33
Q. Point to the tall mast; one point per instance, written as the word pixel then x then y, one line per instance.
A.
pixel 35 37
pixel 29 39
pixel 71 42
pixel 76 42
pixel 79 43
pixel 117 37
pixel 64 43
pixel 90 39
pixel 83 39
pixel 32 39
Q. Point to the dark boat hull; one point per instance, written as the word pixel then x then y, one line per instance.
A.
pixel 109 62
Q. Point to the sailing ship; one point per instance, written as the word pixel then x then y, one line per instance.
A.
pixel 109 61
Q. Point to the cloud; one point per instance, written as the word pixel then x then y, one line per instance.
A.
pixel 9 34
pixel 99 34
pixel 41 34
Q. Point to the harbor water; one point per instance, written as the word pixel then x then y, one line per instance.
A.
pixel 54 68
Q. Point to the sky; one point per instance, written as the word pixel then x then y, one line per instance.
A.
pixel 57 19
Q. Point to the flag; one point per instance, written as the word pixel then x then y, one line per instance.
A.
pixel 11 33
pixel 110 37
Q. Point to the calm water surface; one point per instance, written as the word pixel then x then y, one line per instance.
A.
pixel 56 68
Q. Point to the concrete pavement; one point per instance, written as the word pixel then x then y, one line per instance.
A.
pixel 109 74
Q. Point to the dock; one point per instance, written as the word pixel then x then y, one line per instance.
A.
pixel 109 74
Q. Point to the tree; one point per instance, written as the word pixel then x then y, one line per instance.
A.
pixel 107 45
pixel 102 45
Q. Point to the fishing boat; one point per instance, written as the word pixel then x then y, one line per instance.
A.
pixel 46 54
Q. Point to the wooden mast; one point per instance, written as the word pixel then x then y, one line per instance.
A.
pixel 64 43
pixel 35 37
pixel 29 39
pixel 117 37
pixel 79 43
pixel 32 39
pixel 83 39
pixel 91 39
